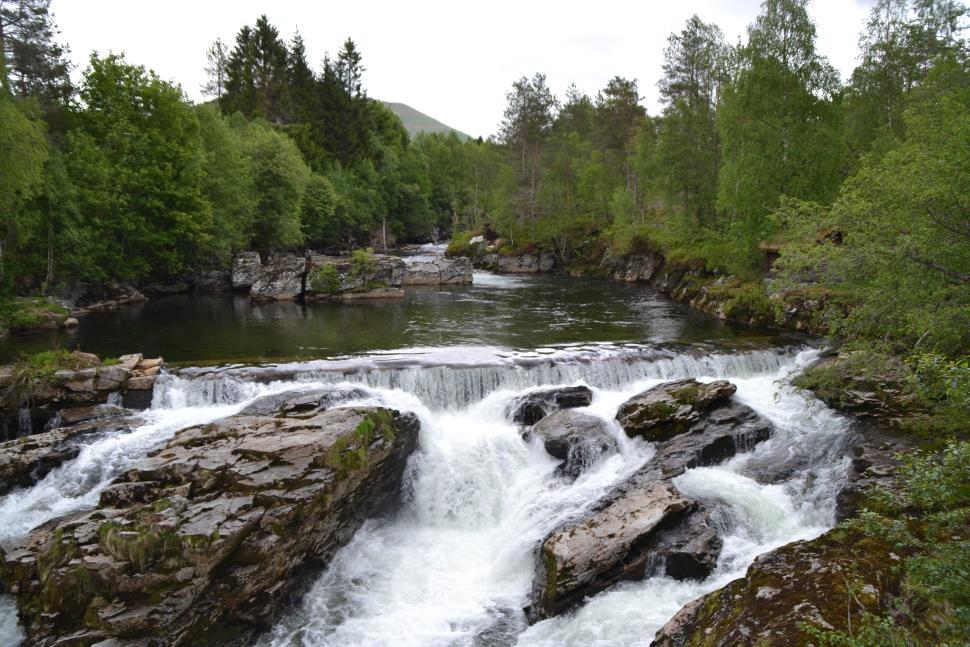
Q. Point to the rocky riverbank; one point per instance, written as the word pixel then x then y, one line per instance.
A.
pixel 36 395
pixel 205 540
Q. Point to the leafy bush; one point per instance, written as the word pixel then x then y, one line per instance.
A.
pixel 325 279
pixel 362 263
pixel 460 244
pixel 926 519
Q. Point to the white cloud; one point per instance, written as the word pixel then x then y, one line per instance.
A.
pixel 451 60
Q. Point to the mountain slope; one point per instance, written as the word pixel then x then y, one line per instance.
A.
pixel 417 122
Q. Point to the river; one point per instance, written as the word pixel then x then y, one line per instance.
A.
pixel 454 565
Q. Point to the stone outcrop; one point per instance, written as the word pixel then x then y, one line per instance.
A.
pixel 330 277
pixel 644 525
pixel 521 264
pixel 438 271
pixel 576 438
pixel 671 408
pixel 246 267
pixel 280 279
pixel 36 402
pixel 533 407
pixel 203 542
pixel 818 583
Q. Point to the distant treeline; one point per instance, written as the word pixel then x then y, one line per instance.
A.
pixel 759 143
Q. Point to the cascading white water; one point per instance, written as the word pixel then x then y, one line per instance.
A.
pixel 454 566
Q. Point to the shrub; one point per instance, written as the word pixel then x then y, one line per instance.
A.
pixel 325 279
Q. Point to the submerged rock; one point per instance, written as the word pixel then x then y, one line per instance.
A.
pixel 575 438
pixel 533 407
pixel 669 409
pixel 203 541
pixel 644 523
pixel 522 264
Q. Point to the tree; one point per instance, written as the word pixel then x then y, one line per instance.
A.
pixel 136 160
pixel 904 258
pixel 320 227
pixel 778 125
pixel 898 47
pixel 279 177
pixel 216 70
pixel 301 82
pixel 23 152
pixel 350 71
pixel 689 146
pixel 256 73
pixel 527 120
pixel 32 63
pixel 227 183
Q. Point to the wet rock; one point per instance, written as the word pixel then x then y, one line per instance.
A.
pixel 802 584
pixel 575 438
pixel 669 409
pixel 687 549
pixel 643 522
pixel 632 268
pixel 205 539
pixel 280 279
pixel 108 295
pixel 531 408
pixel 26 460
pixel 523 264
pixel 246 267
pixel 212 281
pixel 71 322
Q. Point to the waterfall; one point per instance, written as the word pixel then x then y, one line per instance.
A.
pixel 454 566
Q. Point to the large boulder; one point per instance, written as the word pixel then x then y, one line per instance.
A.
pixel 669 409
pixel 785 592
pixel 205 540
pixel 533 407
pixel 281 279
pixel 576 438
pixel 246 268
pixel 644 523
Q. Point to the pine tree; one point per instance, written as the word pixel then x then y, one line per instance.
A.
pixel 689 145
pixel 32 63
pixel 216 70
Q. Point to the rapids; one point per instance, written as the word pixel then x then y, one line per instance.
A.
pixel 454 565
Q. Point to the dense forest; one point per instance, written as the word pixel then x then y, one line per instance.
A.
pixel 862 185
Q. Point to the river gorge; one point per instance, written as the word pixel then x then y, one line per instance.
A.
pixel 454 561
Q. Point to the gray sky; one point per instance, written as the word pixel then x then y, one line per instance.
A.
pixel 451 60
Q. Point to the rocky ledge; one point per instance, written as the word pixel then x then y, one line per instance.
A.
pixel 645 525
pixel 205 539
pixel 35 399
pixel 314 277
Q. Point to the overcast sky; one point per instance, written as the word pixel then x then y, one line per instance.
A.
pixel 451 60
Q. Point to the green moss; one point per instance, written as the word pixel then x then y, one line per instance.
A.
pixel 350 452
pixel 140 546
pixel 460 245
pixel 31 313
pixel 686 395
pixel 32 374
